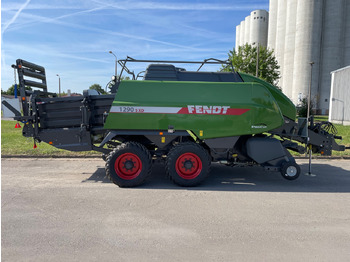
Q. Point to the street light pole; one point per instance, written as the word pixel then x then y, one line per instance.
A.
pixel 307 119
pixel 309 93
pixel 116 63
pixel 257 61
pixel 59 85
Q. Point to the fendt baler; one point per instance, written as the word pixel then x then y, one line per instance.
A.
pixel 189 119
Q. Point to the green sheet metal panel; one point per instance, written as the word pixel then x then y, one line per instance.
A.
pixel 285 104
pixel 208 109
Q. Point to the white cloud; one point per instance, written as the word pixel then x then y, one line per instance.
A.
pixel 176 5
pixel 13 19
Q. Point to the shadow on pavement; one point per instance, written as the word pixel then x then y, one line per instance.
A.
pixel 328 179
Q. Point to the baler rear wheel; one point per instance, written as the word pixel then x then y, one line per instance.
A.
pixel 290 170
pixel 129 164
pixel 188 164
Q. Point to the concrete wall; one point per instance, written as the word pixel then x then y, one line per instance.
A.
pixel 339 110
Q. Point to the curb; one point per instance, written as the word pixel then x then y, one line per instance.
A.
pixel 50 156
pixel 325 157
pixel 100 157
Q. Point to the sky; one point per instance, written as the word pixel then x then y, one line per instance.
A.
pixel 73 38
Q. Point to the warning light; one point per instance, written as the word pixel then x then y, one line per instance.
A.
pixel 322 152
pixel 161 133
pixel 23 98
pixel 17 125
pixel 50 143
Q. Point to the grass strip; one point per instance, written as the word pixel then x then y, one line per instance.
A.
pixel 13 143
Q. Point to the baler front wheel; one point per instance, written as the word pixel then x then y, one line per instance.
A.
pixel 188 164
pixel 129 165
pixel 290 170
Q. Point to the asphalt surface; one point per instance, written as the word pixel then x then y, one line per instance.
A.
pixel 66 210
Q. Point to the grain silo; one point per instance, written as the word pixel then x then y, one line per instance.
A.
pixel 247 29
pixel 259 20
pixel 301 32
pixel 280 35
pixel 332 46
pixel 253 29
pixel 241 33
pixel 271 39
pixel 307 49
pixel 238 30
pixel 289 47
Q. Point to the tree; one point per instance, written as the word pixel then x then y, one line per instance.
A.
pixel 244 60
pixel 302 109
pixel 11 90
pixel 125 78
pixel 98 88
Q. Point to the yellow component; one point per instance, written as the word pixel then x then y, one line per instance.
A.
pixel 192 135
pixel 163 139
pixel 200 132
pixel 234 155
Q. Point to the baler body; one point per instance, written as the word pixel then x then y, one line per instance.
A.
pixel 208 109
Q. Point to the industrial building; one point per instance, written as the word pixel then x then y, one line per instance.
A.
pixel 301 32
pixel 339 109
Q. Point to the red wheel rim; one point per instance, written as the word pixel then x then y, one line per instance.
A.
pixel 128 166
pixel 188 166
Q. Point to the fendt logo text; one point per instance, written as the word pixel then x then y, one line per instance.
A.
pixel 218 110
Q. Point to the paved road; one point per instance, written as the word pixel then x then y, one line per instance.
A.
pixel 66 210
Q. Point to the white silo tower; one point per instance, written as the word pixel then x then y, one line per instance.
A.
pixel 273 9
pixel 307 47
pixel 247 30
pixel 259 20
pixel 237 44
pixel 332 47
pixel 289 47
pixel 241 33
pixel 280 35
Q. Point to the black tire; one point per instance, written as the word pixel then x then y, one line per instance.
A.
pixel 188 164
pixel 290 170
pixel 129 165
